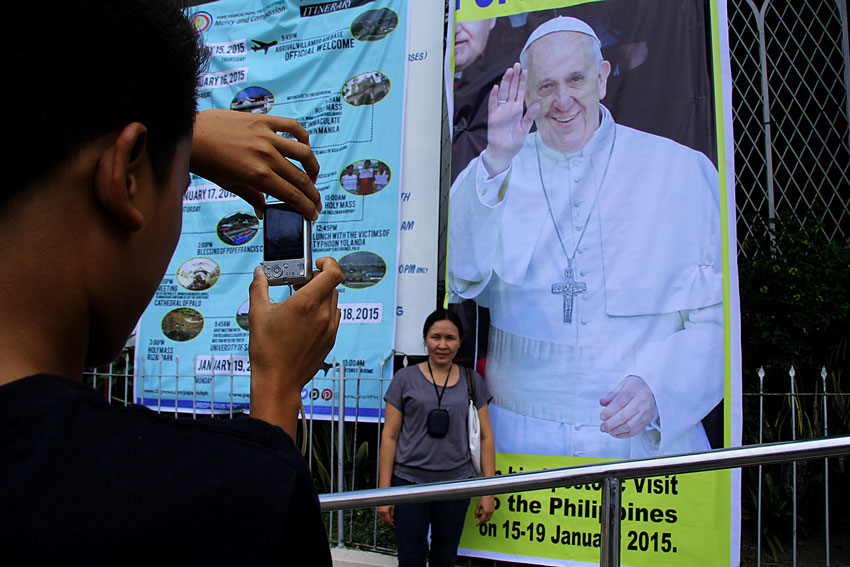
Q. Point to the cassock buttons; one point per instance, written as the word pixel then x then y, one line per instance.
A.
pixel 576 179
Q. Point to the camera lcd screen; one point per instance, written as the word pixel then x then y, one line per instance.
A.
pixel 283 233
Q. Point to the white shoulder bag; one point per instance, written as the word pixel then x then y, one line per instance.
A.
pixel 474 427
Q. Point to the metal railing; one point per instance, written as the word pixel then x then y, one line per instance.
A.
pixel 609 473
pixel 333 447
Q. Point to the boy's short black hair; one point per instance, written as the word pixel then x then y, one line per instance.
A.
pixel 82 69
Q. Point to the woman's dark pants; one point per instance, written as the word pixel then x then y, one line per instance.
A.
pixel 446 519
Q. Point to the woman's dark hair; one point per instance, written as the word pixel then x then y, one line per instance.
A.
pixel 442 315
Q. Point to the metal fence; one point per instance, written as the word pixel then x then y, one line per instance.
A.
pixel 791 113
pixel 796 413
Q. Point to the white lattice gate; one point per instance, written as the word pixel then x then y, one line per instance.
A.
pixel 791 113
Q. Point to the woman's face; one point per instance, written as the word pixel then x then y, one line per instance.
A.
pixel 442 341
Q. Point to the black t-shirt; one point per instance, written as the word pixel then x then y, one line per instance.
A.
pixel 80 478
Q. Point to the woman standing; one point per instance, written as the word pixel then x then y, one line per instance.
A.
pixel 365 179
pixel 348 180
pixel 425 440
pixel 382 177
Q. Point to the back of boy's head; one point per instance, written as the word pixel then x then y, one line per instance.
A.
pixel 83 69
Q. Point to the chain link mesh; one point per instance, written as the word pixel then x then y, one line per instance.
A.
pixel 809 125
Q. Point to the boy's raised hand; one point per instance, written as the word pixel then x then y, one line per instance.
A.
pixel 289 342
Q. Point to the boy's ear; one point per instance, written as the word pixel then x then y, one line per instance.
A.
pixel 119 173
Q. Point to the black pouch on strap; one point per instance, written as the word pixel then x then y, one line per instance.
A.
pixel 438 423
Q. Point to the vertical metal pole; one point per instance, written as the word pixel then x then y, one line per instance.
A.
pixel 354 448
pixel 159 388
pixel 792 373
pixel 312 387
pixel 109 383
pixel 356 420
pixel 140 370
pixel 845 48
pixel 176 382
pixel 340 452
pixel 378 444
pixel 126 376
pixel 332 444
pixel 475 353
pixel 195 387
pixel 765 95
pixel 609 551
pixel 826 459
pixel 231 388
pixel 212 386
pixel 761 433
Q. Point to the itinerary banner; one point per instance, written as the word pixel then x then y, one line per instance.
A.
pixel 339 68
pixel 591 241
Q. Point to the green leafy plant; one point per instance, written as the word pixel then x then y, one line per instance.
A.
pixel 794 304
pixel 776 513
pixel 361 527
pixel 359 459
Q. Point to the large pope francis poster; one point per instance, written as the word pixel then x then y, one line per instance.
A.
pixel 590 243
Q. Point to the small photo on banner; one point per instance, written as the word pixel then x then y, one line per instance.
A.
pixel 339 69
pixel 587 225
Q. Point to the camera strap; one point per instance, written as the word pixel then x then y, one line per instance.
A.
pixel 437 390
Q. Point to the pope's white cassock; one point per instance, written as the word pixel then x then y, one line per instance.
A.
pixel 648 270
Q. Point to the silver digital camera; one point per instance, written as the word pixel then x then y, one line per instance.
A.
pixel 287 245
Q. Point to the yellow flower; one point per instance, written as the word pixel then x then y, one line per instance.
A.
pixel 763 289
pixel 792 271
pixel 819 298
pixel 776 268
pixel 796 297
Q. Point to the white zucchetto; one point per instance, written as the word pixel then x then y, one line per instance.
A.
pixel 559 24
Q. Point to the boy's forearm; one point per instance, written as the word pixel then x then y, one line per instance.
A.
pixel 276 409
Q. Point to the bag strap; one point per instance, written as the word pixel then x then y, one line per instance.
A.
pixel 470 384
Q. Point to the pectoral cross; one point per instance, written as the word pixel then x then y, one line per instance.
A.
pixel 568 289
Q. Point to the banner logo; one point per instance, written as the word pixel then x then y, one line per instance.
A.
pixel 201 21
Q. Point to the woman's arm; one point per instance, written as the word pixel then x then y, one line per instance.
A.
pixel 389 441
pixel 486 504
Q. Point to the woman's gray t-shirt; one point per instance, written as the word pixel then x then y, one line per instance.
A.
pixel 420 457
